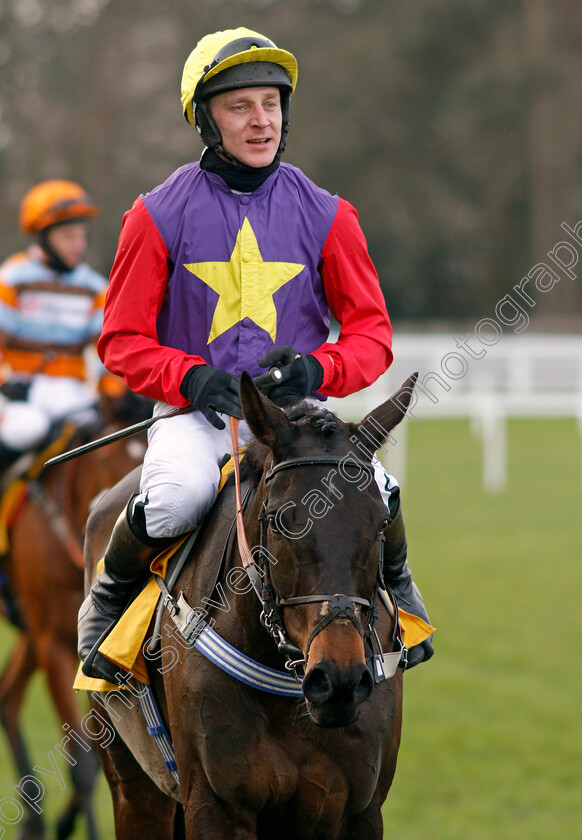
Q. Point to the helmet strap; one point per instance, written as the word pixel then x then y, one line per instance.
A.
pixel 209 131
pixel 285 108
pixel 53 260
pixel 212 139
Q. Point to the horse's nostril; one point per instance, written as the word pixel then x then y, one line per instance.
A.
pixel 317 686
pixel 363 688
pixel 325 682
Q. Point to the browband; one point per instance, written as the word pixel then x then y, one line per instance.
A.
pixel 322 459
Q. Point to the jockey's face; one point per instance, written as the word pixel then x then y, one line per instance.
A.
pixel 69 242
pixel 249 121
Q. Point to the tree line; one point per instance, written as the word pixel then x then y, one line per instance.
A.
pixel 453 126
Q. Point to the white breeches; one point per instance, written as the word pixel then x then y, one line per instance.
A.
pixel 24 424
pixel 181 474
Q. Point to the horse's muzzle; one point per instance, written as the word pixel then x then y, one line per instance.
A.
pixel 334 695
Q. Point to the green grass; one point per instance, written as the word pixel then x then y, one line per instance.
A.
pixel 43 732
pixel 492 737
pixel 492 740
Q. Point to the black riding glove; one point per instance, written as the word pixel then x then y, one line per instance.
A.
pixel 300 375
pixel 210 389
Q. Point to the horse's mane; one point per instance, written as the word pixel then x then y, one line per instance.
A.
pixel 304 415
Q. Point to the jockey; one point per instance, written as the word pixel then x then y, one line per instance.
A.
pixel 234 263
pixel 51 309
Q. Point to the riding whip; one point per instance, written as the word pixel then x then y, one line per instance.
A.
pixel 274 375
pixel 122 433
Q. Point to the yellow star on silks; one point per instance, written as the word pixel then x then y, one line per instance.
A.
pixel 245 285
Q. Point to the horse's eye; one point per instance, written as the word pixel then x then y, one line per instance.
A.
pixel 272 520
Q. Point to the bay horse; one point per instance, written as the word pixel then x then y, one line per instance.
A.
pixel 253 765
pixel 45 571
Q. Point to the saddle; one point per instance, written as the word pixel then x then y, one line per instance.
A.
pixel 123 645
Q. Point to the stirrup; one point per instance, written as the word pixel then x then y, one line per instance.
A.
pixel 97 666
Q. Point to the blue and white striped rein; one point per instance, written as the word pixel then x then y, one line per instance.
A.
pixel 243 668
pixel 229 659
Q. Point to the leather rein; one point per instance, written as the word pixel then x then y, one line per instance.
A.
pixel 339 606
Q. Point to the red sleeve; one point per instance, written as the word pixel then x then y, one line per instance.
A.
pixel 129 343
pixel 363 350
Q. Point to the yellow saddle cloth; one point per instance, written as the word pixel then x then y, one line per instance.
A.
pixel 124 644
pixel 10 505
pixel 15 493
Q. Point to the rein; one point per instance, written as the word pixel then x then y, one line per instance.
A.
pixel 339 606
pixel 246 554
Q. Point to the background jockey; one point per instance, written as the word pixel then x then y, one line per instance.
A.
pixel 233 263
pixel 51 308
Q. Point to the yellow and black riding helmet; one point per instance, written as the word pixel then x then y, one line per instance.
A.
pixel 234 58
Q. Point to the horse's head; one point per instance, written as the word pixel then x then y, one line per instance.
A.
pixel 322 520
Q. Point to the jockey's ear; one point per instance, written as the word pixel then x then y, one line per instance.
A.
pixel 378 424
pixel 267 422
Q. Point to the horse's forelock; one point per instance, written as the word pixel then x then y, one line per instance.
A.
pixel 321 419
pixel 324 421
pixel 305 416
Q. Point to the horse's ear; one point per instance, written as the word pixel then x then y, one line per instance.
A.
pixel 266 421
pixel 378 424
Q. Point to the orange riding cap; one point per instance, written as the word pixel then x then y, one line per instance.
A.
pixel 53 202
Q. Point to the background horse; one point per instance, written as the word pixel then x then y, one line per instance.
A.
pixel 45 572
pixel 253 764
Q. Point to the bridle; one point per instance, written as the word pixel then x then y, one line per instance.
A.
pixel 339 606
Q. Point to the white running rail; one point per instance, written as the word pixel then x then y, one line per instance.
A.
pixel 527 375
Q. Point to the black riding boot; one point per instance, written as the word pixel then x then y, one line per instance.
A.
pixel 127 560
pixel 397 576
